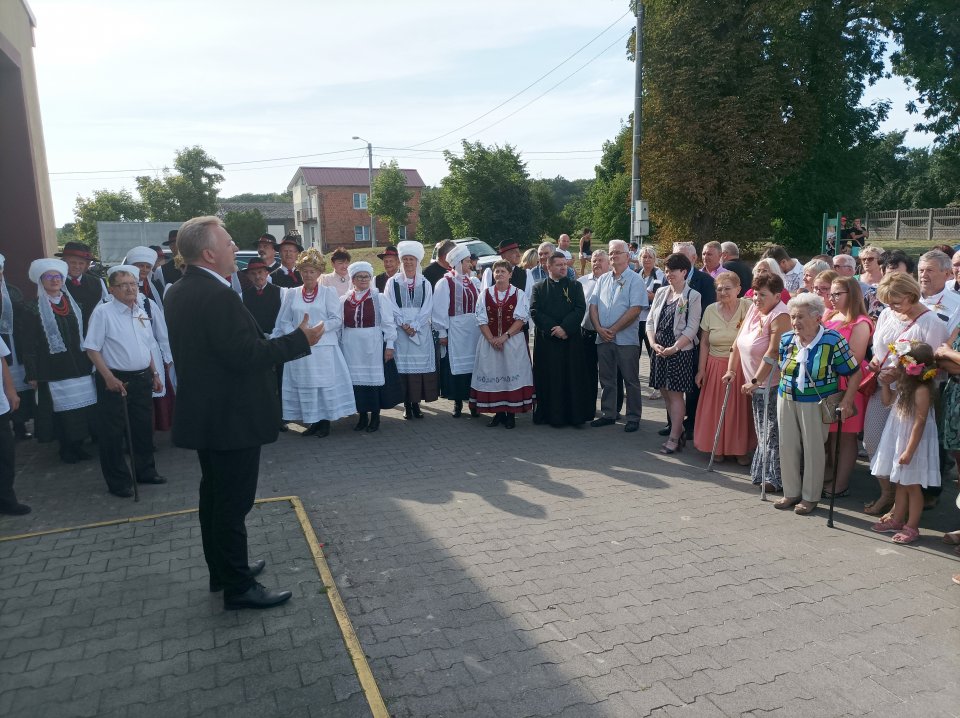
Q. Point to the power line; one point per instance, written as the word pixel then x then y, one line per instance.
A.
pixel 514 96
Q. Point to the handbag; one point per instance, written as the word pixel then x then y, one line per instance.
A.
pixel 829 405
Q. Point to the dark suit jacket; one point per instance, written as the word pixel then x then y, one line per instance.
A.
pixel 227 387
pixel 741 269
pixel 170 273
pixel 434 272
pixel 282 279
pixel 703 283
pixel 264 307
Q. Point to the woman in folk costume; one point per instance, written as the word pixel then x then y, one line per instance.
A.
pixel 316 388
pixel 151 299
pixel 411 298
pixel 367 339
pixel 454 318
pixel 56 363
pixel 502 376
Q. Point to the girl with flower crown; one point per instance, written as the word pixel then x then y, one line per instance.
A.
pixel 908 451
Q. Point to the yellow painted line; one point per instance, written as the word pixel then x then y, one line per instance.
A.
pixel 369 684
pixel 370 688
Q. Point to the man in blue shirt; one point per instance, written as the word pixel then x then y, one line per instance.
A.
pixel 615 312
pixel 545 251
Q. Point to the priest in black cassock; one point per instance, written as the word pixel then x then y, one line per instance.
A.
pixel 560 378
pixel 86 289
pixel 262 298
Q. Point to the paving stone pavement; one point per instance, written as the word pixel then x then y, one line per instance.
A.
pixel 545 572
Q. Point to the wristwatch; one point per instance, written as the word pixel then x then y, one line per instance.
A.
pixel 754 381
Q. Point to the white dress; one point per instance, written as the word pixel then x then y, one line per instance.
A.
pixel 461 330
pixel 414 355
pixel 363 346
pixel 924 468
pixel 316 387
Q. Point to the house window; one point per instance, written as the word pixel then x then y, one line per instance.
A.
pixel 359 200
pixel 402 233
pixel 361 233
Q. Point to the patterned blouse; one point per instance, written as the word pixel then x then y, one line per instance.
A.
pixel 830 359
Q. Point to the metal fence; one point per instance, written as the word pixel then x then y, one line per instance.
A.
pixel 936 226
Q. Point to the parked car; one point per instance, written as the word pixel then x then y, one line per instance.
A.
pixel 486 255
pixel 244 256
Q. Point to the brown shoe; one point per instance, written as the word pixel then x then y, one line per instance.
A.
pixel 805 507
pixel 786 503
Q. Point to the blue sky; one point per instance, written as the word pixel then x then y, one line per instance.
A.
pixel 124 84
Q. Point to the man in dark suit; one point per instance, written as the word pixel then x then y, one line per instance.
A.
pixel 86 289
pixel 730 256
pixel 227 404
pixel 434 271
pixel 169 271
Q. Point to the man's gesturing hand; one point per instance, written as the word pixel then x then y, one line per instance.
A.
pixel 313 333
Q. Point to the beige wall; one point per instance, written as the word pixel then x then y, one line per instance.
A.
pixel 16 33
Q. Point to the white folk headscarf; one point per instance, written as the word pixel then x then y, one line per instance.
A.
pixel 51 329
pixel 411 290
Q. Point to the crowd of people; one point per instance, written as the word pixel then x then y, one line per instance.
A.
pixel 791 368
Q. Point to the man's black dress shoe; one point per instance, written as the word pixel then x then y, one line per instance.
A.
pixel 256 596
pixel 14 508
pixel 510 421
pixel 415 410
pixel 497 418
pixel 323 428
pixel 474 412
pixel 155 479
pixel 124 493
pixel 255 569
pixel 374 424
pixel 362 422
pixel 631 426
pixel 602 422
pixel 665 431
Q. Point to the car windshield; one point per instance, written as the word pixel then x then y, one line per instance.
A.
pixel 480 248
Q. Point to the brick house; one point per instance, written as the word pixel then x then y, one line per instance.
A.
pixel 330 206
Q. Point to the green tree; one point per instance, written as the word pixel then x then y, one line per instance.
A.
pixel 105 206
pixel 545 214
pixel 432 226
pixel 189 191
pixel 487 194
pixel 610 203
pixel 389 196
pixel 245 227
pixel 266 197
pixel 66 233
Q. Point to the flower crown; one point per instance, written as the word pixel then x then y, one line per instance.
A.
pixel 902 348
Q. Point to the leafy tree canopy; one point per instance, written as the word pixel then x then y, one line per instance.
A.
pixel 105 206
pixel 389 196
pixel 266 197
pixel 245 227
pixel 191 190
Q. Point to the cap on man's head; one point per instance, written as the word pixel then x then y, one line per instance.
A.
pixel 257 264
pixel 506 246
pixel 171 238
pixel 389 251
pixel 292 241
pixel 76 249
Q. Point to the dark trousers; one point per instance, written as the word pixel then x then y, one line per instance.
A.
pixel 7 462
pixel 592 362
pixel 112 430
pixel 228 486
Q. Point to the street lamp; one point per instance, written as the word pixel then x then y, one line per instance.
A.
pixel 373 229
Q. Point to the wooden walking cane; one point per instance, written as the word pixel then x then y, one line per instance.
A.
pixel 133 461
pixel 716 437
pixel 836 465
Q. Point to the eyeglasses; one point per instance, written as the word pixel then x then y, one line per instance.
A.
pixel 824 291
pixel 867 259
pixel 834 295
pixel 51 277
pixel 617 251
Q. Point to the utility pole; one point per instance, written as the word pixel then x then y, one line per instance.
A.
pixel 373 221
pixel 640 226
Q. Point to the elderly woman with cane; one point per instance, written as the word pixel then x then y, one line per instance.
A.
pixel 754 356
pixel 725 426
pixel 812 360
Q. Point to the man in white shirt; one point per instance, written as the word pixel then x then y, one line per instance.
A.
pixel 600 264
pixel 119 342
pixel 563 246
pixel 792 268
pixel 933 271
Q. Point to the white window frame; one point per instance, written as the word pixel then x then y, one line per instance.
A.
pixel 363 235
pixel 402 233
pixel 359 200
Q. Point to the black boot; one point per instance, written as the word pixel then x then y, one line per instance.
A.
pixel 323 429
pixel 457 408
pixel 510 421
pixel 407 410
pixel 374 422
pixel 362 423
pixel 311 430
pixel 497 419
pixel 415 410
pixel 473 411
pixel 20 431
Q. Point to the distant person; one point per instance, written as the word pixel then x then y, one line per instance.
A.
pixel 437 268
pixel 792 268
pixel 268 248
pixel 15 324
pixel 170 272
pixel 712 264
pixel 586 238
pixel 730 256
pixel 86 289
pixel 391 264
pixel 286 275
pixel 339 278
pixel 563 246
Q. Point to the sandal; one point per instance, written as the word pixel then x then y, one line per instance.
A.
pixel 952 538
pixel 907 534
pixel 805 507
pixel 785 503
pixel 838 495
pixel 879 507
pixel 956 579
pixel 887 527
pixel 670 447
pixel 771 489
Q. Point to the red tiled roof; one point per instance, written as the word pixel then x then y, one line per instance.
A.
pixel 349 177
